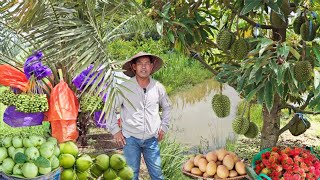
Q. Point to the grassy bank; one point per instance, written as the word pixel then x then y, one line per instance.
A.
pixel 178 71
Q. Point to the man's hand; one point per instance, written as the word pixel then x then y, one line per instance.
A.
pixel 121 141
pixel 160 135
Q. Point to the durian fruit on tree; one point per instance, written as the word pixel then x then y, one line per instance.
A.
pixel 225 39
pixel 240 125
pixel 252 131
pixel 297 24
pixel 303 71
pixel 299 127
pixel 276 20
pixel 240 49
pixel 308 30
pixel 221 105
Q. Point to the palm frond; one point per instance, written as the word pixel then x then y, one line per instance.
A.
pixel 72 35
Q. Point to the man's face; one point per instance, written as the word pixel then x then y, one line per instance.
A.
pixel 143 67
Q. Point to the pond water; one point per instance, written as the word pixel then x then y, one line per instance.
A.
pixel 193 121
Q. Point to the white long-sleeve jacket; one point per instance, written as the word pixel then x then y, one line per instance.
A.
pixel 141 121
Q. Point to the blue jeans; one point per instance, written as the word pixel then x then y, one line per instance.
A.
pixel 151 154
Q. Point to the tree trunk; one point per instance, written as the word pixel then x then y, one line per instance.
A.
pixel 271 120
pixel 271 125
pixel 83 126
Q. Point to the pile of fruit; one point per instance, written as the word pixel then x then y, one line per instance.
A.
pixel 111 168
pixel 82 166
pixel 28 157
pixel 289 163
pixel 217 164
pixel 27 103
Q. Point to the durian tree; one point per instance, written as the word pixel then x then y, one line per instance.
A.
pixel 266 49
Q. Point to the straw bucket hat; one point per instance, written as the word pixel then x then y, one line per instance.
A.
pixel 157 63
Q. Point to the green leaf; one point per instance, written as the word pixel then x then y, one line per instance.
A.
pixel 295 53
pixel 171 36
pixel 19 157
pixel 42 162
pixel 283 51
pixel 292 76
pixel 253 92
pixel 280 75
pixel 268 95
pixel 280 90
pixel 275 8
pixel 252 4
pixel 259 74
pixel 260 96
pixel 316 78
pixel 317 91
pixel 264 44
pixel 316 52
pixel 160 28
pixel 166 9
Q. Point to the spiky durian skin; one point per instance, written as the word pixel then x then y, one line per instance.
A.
pixel 221 105
pixel 240 125
pixel 303 71
pixel 240 49
pixel 225 39
pixel 252 131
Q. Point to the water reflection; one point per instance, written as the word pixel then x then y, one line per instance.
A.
pixel 193 121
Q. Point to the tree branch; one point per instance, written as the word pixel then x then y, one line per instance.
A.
pixel 290 123
pixel 198 57
pixel 310 96
pixel 250 21
pixel 298 110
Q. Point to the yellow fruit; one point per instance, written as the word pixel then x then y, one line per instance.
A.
pixel 233 173
pixel 188 166
pixel 228 162
pixel 192 159
pixel 211 156
pixel 241 168
pixel 211 168
pixel 205 175
pixel 234 157
pixel 196 171
pixel 203 164
pixel 221 153
pixel 196 159
pixel 222 171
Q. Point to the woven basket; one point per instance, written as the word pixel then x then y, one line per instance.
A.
pixel 200 177
pixel 54 175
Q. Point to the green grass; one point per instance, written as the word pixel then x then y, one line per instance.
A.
pixel 178 71
pixel 181 72
pixel 173 156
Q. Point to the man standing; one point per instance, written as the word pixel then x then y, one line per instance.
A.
pixel 141 126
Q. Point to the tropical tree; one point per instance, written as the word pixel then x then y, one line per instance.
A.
pixel 273 38
pixel 72 35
